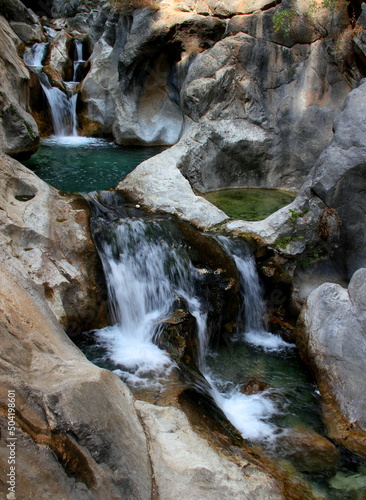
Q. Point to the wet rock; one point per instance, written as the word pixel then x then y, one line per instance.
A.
pixel 309 450
pixel 178 336
pixel 253 386
pixel 19 134
pixel 58 55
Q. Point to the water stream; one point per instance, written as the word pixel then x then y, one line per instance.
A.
pixel 62 105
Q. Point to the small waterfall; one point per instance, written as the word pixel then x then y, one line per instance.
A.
pixel 62 105
pixel 147 273
pixel 78 60
pixel 33 56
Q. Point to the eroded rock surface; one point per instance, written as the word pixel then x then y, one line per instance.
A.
pixel 49 235
pixel 333 341
pixel 18 129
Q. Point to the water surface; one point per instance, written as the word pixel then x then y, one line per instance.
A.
pixel 84 164
pixel 249 204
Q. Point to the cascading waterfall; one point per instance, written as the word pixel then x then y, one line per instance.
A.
pixel 254 307
pixel 148 273
pixel 250 414
pixel 78 60
pixel 62 105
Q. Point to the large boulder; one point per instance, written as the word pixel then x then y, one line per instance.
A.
pixel 49 233
pixel 19 134
pixel 333 341
pixel 186 466
pixel 159 185
pixel 338 178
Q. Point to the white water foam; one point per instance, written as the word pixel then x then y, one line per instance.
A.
pixel 75 141
pixel 145 274
pixel 267 341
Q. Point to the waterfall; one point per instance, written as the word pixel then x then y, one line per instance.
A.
pixel 78 60
pixel 62 105
pixel 149 275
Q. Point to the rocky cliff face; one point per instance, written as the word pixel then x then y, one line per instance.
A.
pixel 19 134
pixel 217 79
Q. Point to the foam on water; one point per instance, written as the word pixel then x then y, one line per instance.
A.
pixel 74 141
pixel 267 341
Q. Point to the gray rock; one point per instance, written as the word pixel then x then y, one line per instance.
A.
pixel 15 10
pixel 18 130
pixel 28 33
pixel 158 184
pixel 338 178
pixel 334 341
pixel 58 55
pixel 186 466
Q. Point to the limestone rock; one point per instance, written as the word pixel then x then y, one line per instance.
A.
pixel 28 33
pixel 333 341
pixel 158 184
pixel 18 130
pixel 65 438
pixel 185 466
pixel 58 55
pixel 49 233
pixel 338 178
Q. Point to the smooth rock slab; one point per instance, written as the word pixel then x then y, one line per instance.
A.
pixel 158 184
pixel 333 340
pixel 185 465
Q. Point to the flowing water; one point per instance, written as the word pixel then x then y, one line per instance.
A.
pixel 149 273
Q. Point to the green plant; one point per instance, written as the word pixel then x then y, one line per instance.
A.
pixel 286 240
pixel 312 255
pixel 284 20
pixel 296 214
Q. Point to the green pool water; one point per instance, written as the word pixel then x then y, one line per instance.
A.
pixel 249 204
pixel 83 164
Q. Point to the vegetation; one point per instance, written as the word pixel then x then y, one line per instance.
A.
pixel 314 253
pixel 296 214
pixel 285 20
pixel 286 240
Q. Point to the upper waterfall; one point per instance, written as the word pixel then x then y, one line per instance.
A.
pixel 62 105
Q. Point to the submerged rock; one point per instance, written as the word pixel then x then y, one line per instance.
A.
pixel 310 451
